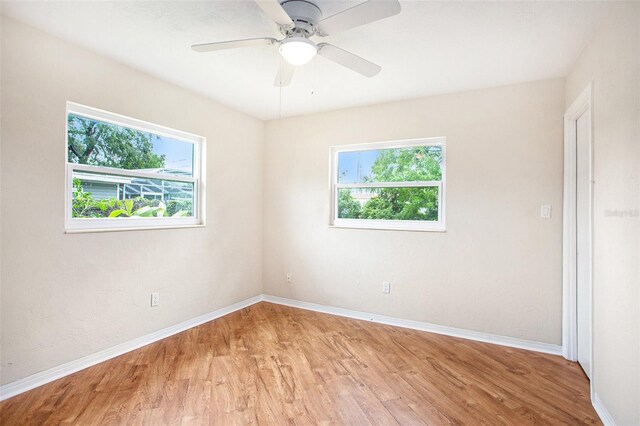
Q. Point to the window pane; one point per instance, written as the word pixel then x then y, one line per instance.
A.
pixel 411 164
pixel 97 195
pixel 98 143
pixel 418 203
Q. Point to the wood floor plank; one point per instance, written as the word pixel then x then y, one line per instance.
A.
pixel 269 364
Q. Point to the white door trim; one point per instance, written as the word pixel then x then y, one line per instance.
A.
pixel 583 104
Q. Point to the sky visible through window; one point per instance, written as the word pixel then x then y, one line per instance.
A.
pixel 354 166
pixel 178 154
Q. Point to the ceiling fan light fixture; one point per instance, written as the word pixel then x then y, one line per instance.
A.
pixel 298 50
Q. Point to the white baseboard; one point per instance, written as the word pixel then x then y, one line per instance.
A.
pixel 513 342
pixel 602 411
pixel 46 376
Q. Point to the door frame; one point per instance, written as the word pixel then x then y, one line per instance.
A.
pixel 581 105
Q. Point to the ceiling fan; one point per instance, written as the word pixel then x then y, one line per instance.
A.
pixel 298 21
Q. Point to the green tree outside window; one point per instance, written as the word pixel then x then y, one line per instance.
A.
pixel 397 203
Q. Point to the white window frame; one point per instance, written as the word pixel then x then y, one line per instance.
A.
pixel 404 225
pixel 73 225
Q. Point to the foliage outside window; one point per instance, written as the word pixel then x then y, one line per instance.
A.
pixel 390 185
pixel 125 173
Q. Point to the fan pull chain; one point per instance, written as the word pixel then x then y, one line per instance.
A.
pixel 313 77
pixel 280 91
pixel 280 98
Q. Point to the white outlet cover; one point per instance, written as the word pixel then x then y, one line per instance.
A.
pixel 386 287
pixel 155 299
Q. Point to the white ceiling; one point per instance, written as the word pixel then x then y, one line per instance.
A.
pixel 429 48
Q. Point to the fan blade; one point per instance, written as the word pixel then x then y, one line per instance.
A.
pixel 233 44
pixel 275 11
pixel 349 60
pixel 364 13
pixel 285 74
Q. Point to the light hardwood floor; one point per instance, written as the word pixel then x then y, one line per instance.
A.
pixel 270 364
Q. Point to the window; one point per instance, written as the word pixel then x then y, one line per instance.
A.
pixel 124 173
pixel 389 185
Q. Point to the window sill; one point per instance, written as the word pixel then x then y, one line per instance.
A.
pixel 380 227
pixel 140 228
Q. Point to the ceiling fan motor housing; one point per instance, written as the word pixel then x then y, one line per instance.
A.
pixel 299 20
pixel 305 16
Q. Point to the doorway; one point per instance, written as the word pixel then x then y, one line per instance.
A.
pixel 577 336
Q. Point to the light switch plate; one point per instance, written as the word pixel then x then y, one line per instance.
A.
pixel 545 211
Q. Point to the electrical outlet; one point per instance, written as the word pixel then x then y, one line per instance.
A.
pixel 288 277
pixel 386 287
pixel 155 299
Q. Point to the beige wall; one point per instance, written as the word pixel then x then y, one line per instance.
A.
pixel 66 296
pixel 497 269
pixel 0 201
pixel 612 62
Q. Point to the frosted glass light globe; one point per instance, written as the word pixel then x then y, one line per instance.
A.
pixel 298 50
